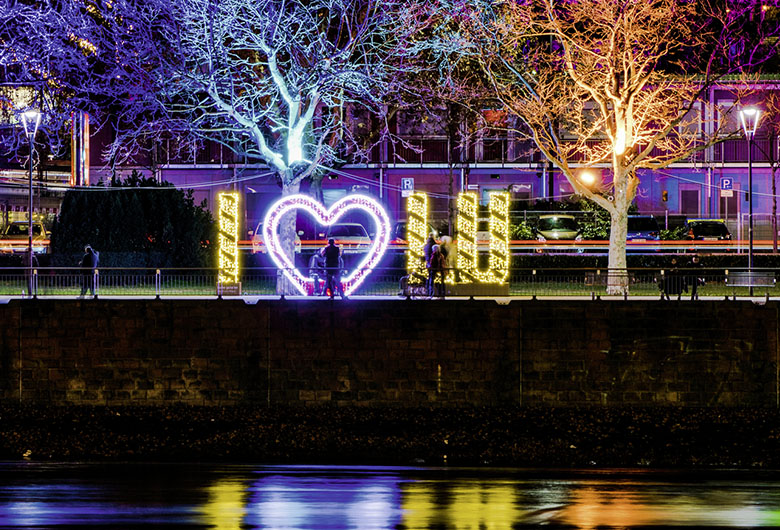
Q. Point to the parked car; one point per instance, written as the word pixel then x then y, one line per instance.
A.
pixel 643 228
pixel 257 240
pixel 558 227
pixel 483 229
pixel 399 231
pixel 352 237
pixel 707 230
pixel 16 234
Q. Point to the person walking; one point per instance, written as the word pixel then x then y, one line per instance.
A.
pixel 89 263
pixel 333 265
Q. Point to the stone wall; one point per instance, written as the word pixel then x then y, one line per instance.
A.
pixel 389 353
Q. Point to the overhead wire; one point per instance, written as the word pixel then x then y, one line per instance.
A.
pixel 351 176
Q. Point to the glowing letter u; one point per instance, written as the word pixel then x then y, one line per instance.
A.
pixel 468 255
pixel 467 261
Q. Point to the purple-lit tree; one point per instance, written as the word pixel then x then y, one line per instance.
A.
pixel 620 84
pixel 269 79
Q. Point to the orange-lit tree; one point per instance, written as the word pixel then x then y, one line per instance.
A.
pixel 621 84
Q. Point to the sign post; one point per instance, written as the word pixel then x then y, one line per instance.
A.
pixel 407 186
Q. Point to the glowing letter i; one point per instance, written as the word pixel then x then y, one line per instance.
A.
pixel 228 237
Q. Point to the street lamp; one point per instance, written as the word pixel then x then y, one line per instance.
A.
pixel 750 118
pixel 31 119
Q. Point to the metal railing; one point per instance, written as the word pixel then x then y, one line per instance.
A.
pixel 393 282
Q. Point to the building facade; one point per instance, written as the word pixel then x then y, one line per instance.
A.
pixel 712 183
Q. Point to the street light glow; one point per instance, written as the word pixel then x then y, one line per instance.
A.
pixel 588 178
pixel 31 119
pixel 749 117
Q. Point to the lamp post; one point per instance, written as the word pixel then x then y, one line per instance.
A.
pixel 31 119
pixel 750 118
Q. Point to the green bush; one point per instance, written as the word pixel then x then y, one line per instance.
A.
pixel 673 234
pixel 139 223
pixel 599 228
pixel 521 231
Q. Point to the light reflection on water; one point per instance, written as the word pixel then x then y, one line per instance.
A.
pixel 240 497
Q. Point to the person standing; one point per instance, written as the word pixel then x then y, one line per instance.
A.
pixel 428 248
pixel 89 263
pixel 333 265
pixel 427 253
pixel 450 255
pixel 317 271
pixel 673 282
pixel 694 279
pixel 436 272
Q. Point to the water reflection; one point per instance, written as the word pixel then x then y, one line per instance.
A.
pixel 240 497
pixel 369 501
pixel 225 507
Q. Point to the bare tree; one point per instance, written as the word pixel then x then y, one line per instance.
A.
pixel 267 78
pixel 616 83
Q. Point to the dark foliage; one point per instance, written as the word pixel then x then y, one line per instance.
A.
pixel 134 223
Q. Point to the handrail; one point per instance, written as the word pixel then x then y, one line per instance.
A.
pixel 694 281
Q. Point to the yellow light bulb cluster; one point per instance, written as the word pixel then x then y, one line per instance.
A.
pixel 467 236
pixel 228 237
pixel 416 234
pixel 499 239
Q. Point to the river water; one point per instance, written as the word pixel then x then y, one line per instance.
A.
pixel 44 495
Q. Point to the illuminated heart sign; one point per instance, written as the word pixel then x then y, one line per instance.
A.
pixel 326 217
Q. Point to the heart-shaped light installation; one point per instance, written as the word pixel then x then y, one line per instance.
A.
pixel 326 217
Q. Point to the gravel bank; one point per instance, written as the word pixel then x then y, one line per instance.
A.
pixel 512 436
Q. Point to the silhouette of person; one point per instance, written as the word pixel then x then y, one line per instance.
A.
pixel 89 263
pixel 333 266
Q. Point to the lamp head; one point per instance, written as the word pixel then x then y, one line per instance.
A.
pixel 31 119
pixel 749 117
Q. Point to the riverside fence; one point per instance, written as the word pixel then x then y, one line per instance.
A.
pixel 684 283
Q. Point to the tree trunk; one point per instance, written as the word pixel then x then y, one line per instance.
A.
pixel 617 278
pixel 315 189
pixel 287 239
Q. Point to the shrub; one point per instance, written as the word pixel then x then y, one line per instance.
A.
pixel 139 223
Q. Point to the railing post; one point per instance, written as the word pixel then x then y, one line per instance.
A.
pixel 95 283
pixel 157 283
pixel 34 284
